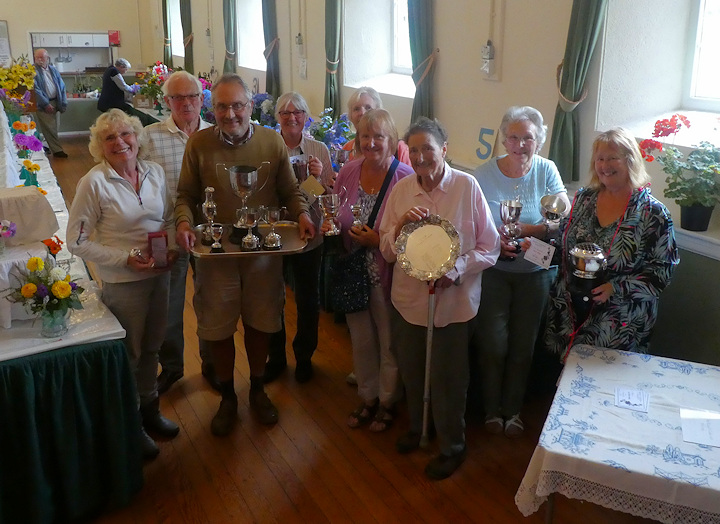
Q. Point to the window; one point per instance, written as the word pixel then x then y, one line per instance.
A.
pixel 704 77
pixel 402 59
pixel 251 38
pixel 176 30
pixel 377 54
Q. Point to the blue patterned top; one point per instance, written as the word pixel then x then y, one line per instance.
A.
pixel 641 262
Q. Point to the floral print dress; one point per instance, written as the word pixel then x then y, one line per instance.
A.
pixel 641 260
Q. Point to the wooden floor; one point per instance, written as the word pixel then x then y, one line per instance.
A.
pixel 311 467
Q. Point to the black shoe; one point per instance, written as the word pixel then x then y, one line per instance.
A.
pixel 304 371
pixel 153 421
pixel 262 406
pixel 442 466
pixel 407 443
pixel 166 379
pixel 273 370
pixel 208 371
pixel 47 150
pixel 60 154
pixel 148 448
pixel 225 418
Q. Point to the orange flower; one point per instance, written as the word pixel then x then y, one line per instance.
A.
pixel 54 246
pixel 32 125
pixel 17 125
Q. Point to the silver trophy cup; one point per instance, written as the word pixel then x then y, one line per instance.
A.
pixel 510 215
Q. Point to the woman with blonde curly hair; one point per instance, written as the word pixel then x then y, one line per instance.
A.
pixel 117 203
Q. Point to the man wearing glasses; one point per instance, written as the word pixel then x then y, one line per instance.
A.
pixel 166 145
pixel 230 288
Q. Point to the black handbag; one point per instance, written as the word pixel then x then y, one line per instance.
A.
pixel 349 281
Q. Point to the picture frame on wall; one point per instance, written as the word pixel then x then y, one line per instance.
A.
pixel 5 54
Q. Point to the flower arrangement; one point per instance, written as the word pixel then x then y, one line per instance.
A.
pixel 7 229
pixel 22 127
pixel 264 110
pixel 16 84
pixel 29 173
pixel 26 143
pixel 691 180
pixel 333 133
pixel 54 245
pixel 155 78
pixel 44 287
pixel 206 112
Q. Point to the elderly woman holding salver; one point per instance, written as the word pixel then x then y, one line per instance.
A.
pixel 117 203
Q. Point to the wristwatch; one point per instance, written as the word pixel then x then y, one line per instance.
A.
pixel 135 252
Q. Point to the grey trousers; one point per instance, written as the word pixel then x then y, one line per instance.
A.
pixel 511 310
pixel 141 308
pixel 449 377
pixel 48 125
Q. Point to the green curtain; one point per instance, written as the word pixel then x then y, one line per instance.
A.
pixel 272 73
pixel 230 25
pixel 332 56
pixel 420 19
pixel 186 20
pixel 585 23
pixel 167 47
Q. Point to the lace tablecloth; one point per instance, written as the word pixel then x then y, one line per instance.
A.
pixel 627 460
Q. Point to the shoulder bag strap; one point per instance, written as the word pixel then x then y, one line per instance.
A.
pixel 381 194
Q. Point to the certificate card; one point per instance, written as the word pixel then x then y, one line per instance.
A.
pixel 311 188
pixel 701 427
pixel 540 253
pixel 635 399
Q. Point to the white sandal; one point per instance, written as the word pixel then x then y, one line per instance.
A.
pixel 494 425
pixel 514 427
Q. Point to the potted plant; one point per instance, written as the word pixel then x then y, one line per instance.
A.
pixel 692 181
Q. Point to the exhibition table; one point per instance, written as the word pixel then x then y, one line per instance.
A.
pixel 627 460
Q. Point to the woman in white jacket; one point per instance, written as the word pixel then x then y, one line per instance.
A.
pixel 117 203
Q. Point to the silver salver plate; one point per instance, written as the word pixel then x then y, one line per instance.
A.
pixel 428 248
pixel 288 230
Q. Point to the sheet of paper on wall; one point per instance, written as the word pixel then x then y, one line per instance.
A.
pixel 312 189
pixel 701 427
pixel 540 253
pixel 635 399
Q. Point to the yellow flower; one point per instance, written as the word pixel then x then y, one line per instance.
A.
pixel 35 264
pixel 32 125
pixel 34 167
pixel 27 163
pixel 28 290
pixel 42 191
pixel 61 289
pixel 67 278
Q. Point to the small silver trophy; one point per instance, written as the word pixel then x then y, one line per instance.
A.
pixel 330 205
pixel 216 230
pixel 248 219
pixel 272 240
pixel 510 215
pixel 357 211
pixel 209 209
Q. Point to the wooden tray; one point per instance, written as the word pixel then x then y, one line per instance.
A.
pixel 289 231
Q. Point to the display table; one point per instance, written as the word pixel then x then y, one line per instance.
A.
pixel 68 443
pixel 622 459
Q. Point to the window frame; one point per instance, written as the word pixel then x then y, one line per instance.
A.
pixel 689 101
pixel 395 68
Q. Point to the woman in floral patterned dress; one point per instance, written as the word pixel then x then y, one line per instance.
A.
pixel 635 231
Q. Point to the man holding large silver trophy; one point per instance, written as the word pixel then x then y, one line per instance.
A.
pixel 232 287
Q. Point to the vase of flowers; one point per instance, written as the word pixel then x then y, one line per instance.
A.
pixel 333 133
pixel 49 292
pixel 29 173
pixel 155 78
pixel 692 181
pixel 26 144
pixel 16 84
pixel 263 111
pixel 7 230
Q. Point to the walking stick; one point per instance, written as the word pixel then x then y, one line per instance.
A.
pixel 424 440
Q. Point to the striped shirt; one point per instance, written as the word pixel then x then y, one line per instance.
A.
pixel 166 146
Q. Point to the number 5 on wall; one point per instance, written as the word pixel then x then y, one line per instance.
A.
pixel 485 149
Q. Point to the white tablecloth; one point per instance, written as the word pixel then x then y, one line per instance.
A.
pixel 627 460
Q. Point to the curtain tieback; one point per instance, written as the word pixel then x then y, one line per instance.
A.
pixel 188 40
pixel 428 62
pixel 229 55
pixel 271 47
pixel 167 42
pixel 567 105
pixel 331 67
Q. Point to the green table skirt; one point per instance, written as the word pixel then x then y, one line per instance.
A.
pixel 68 434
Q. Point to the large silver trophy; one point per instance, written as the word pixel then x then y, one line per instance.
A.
pixel 242 179
pixel 510 215
pixel 588 263
pixel 552 208
pixel 330 205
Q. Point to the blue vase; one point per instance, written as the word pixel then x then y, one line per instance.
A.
pixel 54 323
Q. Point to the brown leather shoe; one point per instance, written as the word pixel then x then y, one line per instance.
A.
pixel 225 418
pixel 266 412
pixel 442 466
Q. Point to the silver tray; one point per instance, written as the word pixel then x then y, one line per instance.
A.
pixel 428 248
pixel 289 231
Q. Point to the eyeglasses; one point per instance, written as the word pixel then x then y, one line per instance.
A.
pixel 182 98
pixel 515 140
pixel 286 114
pixel 236 107
pixel 113 136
